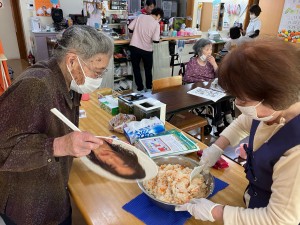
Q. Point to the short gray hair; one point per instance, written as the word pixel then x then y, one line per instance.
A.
pixel 86 41
pixel 200 44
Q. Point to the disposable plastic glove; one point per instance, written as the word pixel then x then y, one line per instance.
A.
pixel 199 208
pixel 210 156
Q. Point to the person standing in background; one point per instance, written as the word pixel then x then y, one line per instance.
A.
pixel 254 25
pixel 146 31
pixel 149 6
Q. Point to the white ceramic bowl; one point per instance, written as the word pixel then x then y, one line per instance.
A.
pixel 182 160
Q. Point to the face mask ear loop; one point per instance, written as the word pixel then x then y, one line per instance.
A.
pixel 72 77
pixel 70 73
pixel 81 67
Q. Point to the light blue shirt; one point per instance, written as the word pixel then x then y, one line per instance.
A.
pixel 254 25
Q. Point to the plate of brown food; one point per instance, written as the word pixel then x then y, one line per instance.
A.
pixel 119 161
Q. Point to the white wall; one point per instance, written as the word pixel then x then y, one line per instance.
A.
pixel 68 7
pixel 71 6
pixel 8 32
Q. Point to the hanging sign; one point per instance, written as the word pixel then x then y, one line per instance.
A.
pixel 1 4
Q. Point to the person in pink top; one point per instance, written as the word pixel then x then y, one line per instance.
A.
pixel 146 30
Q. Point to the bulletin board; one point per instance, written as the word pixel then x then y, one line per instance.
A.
pixel 43 7
pixel 290 18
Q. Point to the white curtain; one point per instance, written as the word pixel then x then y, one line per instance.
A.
pixel 161 60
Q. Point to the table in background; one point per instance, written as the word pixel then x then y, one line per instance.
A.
pixel 100 200
pixel 177 99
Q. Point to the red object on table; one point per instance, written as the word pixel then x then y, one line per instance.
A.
pixel 161 23
pixel 85 97
pixel 220 164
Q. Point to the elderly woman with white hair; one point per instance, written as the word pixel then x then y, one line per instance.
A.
pixel 203 67
pixel 36 148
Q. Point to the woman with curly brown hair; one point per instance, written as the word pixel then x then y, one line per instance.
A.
pixel 264 75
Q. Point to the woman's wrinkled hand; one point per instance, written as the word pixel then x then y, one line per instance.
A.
pixel 212 61
pixel 76 144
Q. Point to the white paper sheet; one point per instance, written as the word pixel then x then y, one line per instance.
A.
pixel 207 93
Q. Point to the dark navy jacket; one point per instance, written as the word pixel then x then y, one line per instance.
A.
pixel 259 166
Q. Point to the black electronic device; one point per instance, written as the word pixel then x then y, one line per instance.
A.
pixel 78 19
pixel 59 22
pixel 57 15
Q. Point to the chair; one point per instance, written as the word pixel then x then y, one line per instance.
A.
pixel 176 57
pixel 186 121
pixel 165 83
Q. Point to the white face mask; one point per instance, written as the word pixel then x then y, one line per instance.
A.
pixel 203 57
pixel 89 85
pixel 251 112
pixel 252 16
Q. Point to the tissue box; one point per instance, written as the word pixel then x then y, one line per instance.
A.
pixel 109 104
pixel 148 108
pixel 145 128
pixel 126 102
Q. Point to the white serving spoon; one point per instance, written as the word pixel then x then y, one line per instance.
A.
pixel 67 121
pixel 64 119
pixel 196 172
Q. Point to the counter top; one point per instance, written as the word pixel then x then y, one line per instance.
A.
pixel 180 38
pixel 127 41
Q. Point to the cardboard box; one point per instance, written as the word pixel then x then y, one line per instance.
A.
pixel 109 104
pixel 108 100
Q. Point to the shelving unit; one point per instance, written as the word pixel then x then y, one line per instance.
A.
pixel 123 75
pixel 116 11
pixel 118 4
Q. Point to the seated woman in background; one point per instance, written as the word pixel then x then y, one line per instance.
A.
pixel 201 68
pixel 234 34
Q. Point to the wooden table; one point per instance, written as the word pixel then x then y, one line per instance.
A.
pixel 177 99
pixel 100 200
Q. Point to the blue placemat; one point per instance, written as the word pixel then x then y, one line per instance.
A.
pixel 144 209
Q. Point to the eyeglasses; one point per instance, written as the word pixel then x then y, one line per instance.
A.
pixel 97 74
